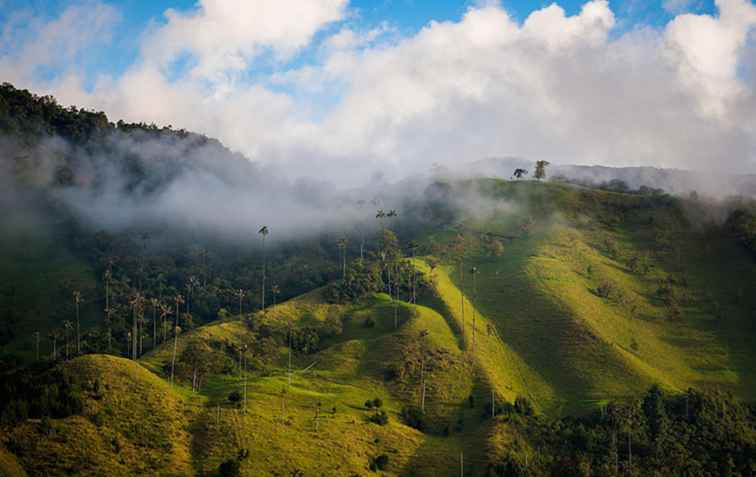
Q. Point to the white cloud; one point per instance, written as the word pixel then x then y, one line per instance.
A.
pixel 29 42
pixel 556 87
pixel 225 35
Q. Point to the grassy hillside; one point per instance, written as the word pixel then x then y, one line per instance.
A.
pixel 601 295
pixel 131 422
pixel 580 297
pixel 320 421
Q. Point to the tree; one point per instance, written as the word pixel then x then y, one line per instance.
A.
pixel 275 290
pixel 473 273
pixel 518 173
pixel 240 294
pixel 178 299
pixel 155 305
pixel 263 233
pixel 540 170
pixel 77 301
pixel 342 244
pixel 137 304
pixel 165 311
pixel 67 327
pixel 381 215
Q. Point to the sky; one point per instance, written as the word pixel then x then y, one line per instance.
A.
pixel 351 90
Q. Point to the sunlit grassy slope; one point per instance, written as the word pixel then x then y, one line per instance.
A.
pixel 319 422
pixel 133 423
pixel 577 322
pixel 137 423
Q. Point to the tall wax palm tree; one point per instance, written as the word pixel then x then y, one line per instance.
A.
pixel 178 299
pixel 413 278
pixel 53 337
pixel 240 293
pixel 473 272
pixel 275 290
pixel 136 302
pixel 165 311
pixel 360 226
pixel 155 305
pixel 263 233
pixel 67 327
pixel 342 244
pixel 77 301
pixel 381 216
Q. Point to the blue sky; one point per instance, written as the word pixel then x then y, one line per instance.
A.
pixel 406 16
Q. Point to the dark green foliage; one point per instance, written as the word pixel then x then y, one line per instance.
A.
pixel 689 434
pixel 374 403
pixel 229 468
pixel 235 397
pixel 363 277
pixel 380 418
pixel 413 416
pixel 379 462
pixel 36 393
pixel 742 224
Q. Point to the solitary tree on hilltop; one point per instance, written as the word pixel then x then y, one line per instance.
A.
pixel 518 173
pixel 540 170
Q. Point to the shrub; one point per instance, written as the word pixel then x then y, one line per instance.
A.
pixel 379 462
pixel 235 397
pixel 523 406
pixel 413 416
pixel 374 403
pixel 380 418
pixel 229 468
pixel 605 290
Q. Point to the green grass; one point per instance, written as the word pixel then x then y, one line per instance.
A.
pixel 132 423
pixel 578 349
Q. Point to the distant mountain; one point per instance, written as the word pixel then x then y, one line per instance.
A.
pixel 675 181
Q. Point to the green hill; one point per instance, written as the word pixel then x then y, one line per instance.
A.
pixel 603 295
pixel 131 422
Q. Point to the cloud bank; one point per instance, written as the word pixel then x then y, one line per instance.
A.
pixel 368 103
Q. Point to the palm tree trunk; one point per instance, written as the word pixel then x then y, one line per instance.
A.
pixel 175 341
pixel 134 333
pixel 154 326
pixel 78 337
pixel 262 291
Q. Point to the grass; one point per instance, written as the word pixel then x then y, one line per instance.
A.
pixel 577 348
pixel 133 422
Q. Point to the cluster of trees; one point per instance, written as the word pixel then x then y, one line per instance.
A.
pixel 742 224
pixel 38 392
pixel 384 269
pixel 693 433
